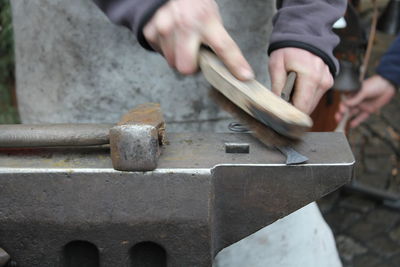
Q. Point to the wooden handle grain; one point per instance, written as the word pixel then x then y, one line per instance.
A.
pixel 254 99
pixel 289 85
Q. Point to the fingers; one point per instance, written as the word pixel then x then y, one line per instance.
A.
pixel 356 99
pixel 164 25
pixel 339 113
pixel 373 95
pixel 158 33
pixel 278 76
pixel 186 51
pixel 179 27
pixel 310 89
pixel 324 85
pixel 358 115
pixel 226 49
pixel 306 92
pixel 357 120
pixel 150 33
pixel 327 79
pixel 168 50
pixel 338 116
pixel 313 76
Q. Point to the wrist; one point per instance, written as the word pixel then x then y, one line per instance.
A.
pixel 385 83
pixel 329 61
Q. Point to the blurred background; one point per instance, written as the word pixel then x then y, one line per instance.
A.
pixel 365 215
pixel 8 103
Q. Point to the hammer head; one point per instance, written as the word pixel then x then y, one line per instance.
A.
pixel 136 141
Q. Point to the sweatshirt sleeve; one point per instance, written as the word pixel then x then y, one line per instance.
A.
pixel 133 14
pixel 389 66
pixel 307 24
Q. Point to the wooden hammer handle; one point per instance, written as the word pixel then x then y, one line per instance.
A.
pixel 287 89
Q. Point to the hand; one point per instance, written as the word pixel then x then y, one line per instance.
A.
pixel 374 94
pixel 180 26
pixel 313 76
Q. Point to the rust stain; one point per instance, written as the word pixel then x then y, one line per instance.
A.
pixel 147 114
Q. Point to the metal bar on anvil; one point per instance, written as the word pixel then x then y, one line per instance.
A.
pixel 199 200
pixel 47 135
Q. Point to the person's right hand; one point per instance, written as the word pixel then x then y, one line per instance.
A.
pixel 374 94
pixel 313 76
pixel 179 28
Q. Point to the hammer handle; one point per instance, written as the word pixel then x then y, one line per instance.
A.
pixel 292 156
pixel 287 89
pixel 51 135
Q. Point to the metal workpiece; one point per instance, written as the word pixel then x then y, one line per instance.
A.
pixel 55 202
pixel 134 145
pixel 135 141
pixel 292 156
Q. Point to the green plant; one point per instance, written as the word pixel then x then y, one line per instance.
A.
pixel 8 113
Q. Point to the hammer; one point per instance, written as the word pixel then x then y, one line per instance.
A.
pixel 135 142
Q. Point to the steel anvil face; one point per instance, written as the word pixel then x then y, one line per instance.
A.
pixel 58 202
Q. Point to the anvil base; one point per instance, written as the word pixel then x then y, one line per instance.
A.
pixel 65 207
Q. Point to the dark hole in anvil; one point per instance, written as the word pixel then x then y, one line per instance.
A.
pixel 241 148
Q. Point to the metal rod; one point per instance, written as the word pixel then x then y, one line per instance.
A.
pixel 371 191
pixel 50 135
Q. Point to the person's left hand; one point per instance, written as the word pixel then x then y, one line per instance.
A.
pixel 313 76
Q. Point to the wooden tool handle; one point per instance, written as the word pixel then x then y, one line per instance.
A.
pixel 287 89
pixel 254 99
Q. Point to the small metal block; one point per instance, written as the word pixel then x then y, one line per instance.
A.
pixel 134 147
pixel 241 148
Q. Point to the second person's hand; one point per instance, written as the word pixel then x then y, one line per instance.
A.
pixel 375 92
pixel 179 28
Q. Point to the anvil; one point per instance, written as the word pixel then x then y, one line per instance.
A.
pixel 68 207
